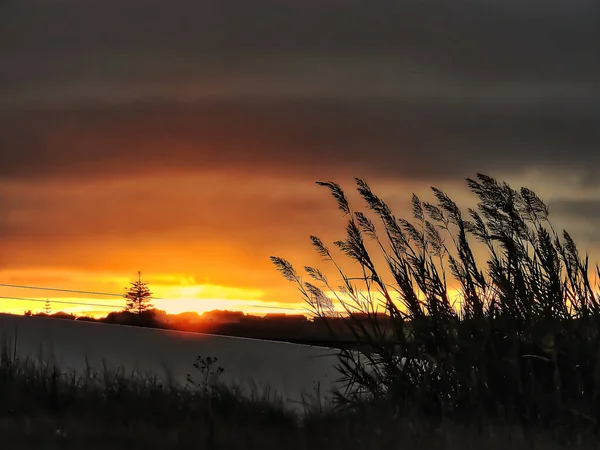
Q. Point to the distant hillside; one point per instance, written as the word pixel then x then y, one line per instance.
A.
pixel 281 327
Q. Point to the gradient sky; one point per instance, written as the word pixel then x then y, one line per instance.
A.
pixel 183 138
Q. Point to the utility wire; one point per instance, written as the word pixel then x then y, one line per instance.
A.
pixel 61 302
pixel 67 290
pixel 110 294
pixel 110 306
pixel 102 293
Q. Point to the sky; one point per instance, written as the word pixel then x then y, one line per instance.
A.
pixel 183 139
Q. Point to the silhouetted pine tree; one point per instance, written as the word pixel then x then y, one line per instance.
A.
pixel 138 297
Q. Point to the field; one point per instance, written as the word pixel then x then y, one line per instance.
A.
pixel 287 369
pixel 96 405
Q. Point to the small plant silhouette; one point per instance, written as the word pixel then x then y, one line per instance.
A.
pixel 209 374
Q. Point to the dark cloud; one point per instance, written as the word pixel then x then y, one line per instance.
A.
pixel 584 210
pixel 68 50
pixel 103 88
pixel 388 139
pixel 423 89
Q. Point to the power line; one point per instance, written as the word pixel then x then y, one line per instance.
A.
pixel 111 294
pixel 61 302
pixel 111 306
pixel 39 288
pixel 67 290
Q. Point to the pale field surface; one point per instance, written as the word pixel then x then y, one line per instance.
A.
pixel 289 370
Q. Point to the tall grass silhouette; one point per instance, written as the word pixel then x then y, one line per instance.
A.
pixel 520 345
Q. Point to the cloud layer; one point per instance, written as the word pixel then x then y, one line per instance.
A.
pixel 186 138
pixel 418 88
pixel 66 50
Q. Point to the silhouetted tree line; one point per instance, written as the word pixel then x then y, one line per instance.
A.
pixel 281 327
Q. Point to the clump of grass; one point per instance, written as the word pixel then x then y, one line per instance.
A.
pixel 520 345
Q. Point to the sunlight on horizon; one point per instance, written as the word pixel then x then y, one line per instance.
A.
pixel 170 306
pixel 173 294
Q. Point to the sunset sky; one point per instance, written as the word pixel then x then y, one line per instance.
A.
pixel 183 139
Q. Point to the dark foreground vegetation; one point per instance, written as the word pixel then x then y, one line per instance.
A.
pixel 43 408
pixel 514 362
pixel 519 345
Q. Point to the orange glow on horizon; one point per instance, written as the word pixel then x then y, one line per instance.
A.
pixel 173 294
pixel 189 242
